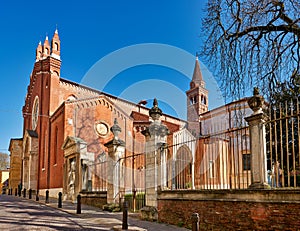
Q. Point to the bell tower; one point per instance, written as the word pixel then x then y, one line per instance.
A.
pixel 197 99
pixel 42 100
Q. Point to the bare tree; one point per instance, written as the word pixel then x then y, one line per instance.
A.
pixel 251 43
pixel 4 161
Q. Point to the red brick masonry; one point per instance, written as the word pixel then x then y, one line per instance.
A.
pixel 232 210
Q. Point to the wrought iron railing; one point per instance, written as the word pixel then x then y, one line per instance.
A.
pixel 283 142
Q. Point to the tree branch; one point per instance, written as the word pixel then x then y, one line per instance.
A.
pixel 270 28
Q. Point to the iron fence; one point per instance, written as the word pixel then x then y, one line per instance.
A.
pixel 283 129
pixel 219 161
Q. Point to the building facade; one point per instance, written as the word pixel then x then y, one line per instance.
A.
pixel 66 127
pixel 58 112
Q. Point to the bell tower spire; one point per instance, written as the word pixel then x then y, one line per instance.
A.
pixel 197 75
pixel 197 98
pixel 55 45
pixel 39 52
pixel 46 47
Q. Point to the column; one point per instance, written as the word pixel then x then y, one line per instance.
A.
pixel 116 151
pixel 257 142
pixel 156 138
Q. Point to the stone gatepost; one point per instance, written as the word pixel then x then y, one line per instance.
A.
pixel 116 151
pixel 257 142
pixel 156 139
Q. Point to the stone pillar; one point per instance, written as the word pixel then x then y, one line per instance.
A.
pixel 156 138
pixel 257 142
pixel 116 151
pixel 33 160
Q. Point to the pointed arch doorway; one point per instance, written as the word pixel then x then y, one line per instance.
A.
pixel 183 168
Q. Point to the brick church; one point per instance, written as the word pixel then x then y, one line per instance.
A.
pixel 67 126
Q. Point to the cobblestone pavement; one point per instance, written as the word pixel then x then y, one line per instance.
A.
pixel 34 216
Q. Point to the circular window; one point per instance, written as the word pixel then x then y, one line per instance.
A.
pixel 101 128
pixel 35 112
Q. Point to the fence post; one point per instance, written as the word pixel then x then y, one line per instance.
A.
pixel 47 197
pixel 78 211
pixel 37 198
pixel 116 150
pixel 59 199
pixel 29 193
pixel 19 190
pixel 195 222
pixel 256 123
pixel 125 215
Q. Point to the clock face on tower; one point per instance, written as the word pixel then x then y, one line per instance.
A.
pixel 101 128
pixel 35 112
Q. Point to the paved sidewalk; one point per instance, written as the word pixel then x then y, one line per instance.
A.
pixel 96 216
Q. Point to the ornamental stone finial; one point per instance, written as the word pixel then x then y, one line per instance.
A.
pixel 116 129
pixel 255 91
pixel 256 101
pixel 155 112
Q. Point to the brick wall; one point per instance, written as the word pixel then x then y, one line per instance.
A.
pixel 97 199
pixel 232 210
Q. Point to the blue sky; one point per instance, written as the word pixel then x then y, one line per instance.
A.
pixel 89 31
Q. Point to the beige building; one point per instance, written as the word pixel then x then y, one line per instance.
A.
pixel 15 149
pixel 4 175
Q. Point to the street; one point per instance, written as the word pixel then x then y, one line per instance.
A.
pixel 18 213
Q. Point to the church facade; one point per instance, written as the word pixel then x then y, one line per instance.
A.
pixel 67 126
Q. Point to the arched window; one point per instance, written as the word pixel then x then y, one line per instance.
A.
pixel 183 168
pixel 35 113
pixel 56 46
pixel 191 101
pixel 195 99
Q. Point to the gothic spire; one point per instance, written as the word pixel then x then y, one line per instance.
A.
pixel 197 75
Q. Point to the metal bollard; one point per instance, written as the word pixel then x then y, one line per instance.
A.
pixel 16 192
pixel 37 198
pixel 78 204
pixel 60 200
pixel 125 216
pixel 24 193
pixel 30 193
pixel 195 222
pixel 47 197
